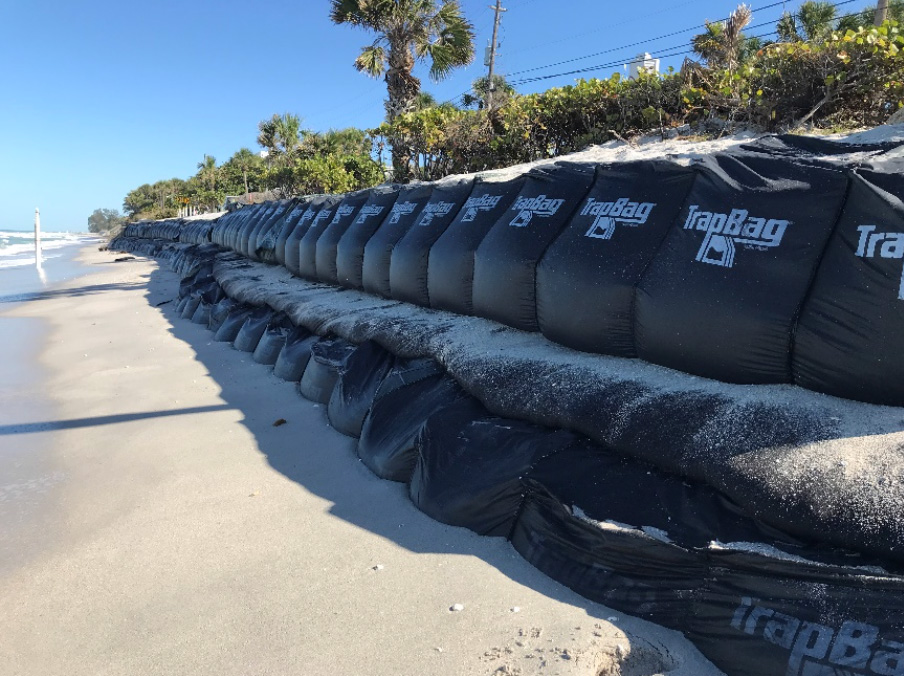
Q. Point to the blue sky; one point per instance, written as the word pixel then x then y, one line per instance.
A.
pixel 100 97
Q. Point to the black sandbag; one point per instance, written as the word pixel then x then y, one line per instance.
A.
pixel 350 249
pixel 249 235
pixel 609 487
pixel 219 312
pixel 232 324
pixel 848 340
pixel 250 334
pixel 273 340
pixel 306 249
pixel 505 264
pixel 622 568
pixel 180 305
pixel 288 227
pixel 359 380
pixel 294 356
pixel 378 250
pixel 411 254
pixel 450 266
pixel 408 396
pixel 326 242
pixel 761 615
pixel 721 297
pixel 262 245
pixel 586 279
pixel 202 313
pixel 191 304
pixel 304 223
pixel 328 357
pixel 470 465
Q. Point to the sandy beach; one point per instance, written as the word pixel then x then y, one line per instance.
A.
pixel 164 525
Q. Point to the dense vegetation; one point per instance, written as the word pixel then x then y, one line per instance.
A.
pixel 824 71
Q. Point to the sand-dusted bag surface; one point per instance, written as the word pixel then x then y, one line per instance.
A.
pixel 359 379
pixel 350 248
pixel 317 205
pixel 323 243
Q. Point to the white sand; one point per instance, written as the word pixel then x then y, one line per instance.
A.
pixel 187 535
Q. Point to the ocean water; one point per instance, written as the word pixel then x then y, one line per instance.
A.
pixel 21 279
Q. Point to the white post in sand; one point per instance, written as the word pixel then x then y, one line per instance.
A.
pixel 37 237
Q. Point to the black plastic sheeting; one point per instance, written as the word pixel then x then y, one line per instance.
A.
pixel 359 379
pixel 412 392
pixel 450 269
pixel 586 281
pixel 848 340
pixel 294 356
pixel 722 296
pixel 326 242
pixel 350 248
pixel 505 264
pixel 411 255
pixel 378 251
pixel 328 357
pixel 470 465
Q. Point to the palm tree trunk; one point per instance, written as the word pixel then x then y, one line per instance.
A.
pixel 403 89
pixel 245 177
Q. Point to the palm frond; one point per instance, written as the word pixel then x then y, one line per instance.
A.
pixel 372 60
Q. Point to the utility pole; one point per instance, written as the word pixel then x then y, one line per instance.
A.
pixel 491 60
pixel 37 237
pixel 881 13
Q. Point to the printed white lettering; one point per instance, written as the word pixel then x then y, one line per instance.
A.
pixel 725 231
pixel 610 214
pixel 528 207
pixel 475 205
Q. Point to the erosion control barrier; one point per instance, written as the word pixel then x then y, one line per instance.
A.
pixel 762 520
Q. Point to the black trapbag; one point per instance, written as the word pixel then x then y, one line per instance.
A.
pixel 264 241
pixel 450 267
pixel 470 465
pixel 233 323
pixel 325 243
pixel 359 380
pixel 292 219
pixel 250 334
pixel 378 250
pixel 587 278
pixel 293 358
pixel 219 312
pixel 721 297
pixel 273 340
pixel 304 223
pixel 505 264
pixel 765 616
pixel 411 254
pixel 622 568
pixel 811 147
pixel 307 245
pixel 608 487
pixel 848 340
pixel 328 357
pixel 350 249
pixel 412 392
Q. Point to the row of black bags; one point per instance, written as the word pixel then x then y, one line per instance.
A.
pixel 615 530
pixel 751 267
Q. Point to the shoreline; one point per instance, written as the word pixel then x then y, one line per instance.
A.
pixel 196 537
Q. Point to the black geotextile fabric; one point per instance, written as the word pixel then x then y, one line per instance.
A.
pixel 295 354
pixel 250 334
pixel 306 245
pixel 450 268
pixel 410 393
pixel 378 250
pixel 328 356
pixel 262 243
pixel 586 280
pixel 293 244
pixel 848 340
pixel 219 312
pixel 470 464
pixel 233 323
pixel 271 344
pixel 505 263
pixel 411 255
pixel 796 146
pixel 323 243
pixel 288 226
pixel 350 248
pixel 722 296
pixel 359 379
pixel 248 234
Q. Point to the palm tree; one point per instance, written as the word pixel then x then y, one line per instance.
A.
pixel 280 135
pixel 814 21
pixel 408 31
pixel 502 92
pixel 722 43
pixel 207 171
pixel 244 160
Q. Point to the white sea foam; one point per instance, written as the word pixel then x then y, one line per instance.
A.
pixel 17 248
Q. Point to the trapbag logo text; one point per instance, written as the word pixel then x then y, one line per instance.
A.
pixel 883 245
pixel 435 210
pixel 724 231
pixel 399 210
pixel 367 211
pixel 307 216
pixel 609 214
pixel 321 217
pixel 343 211
pixel 475 205
pixel 528 207
pixel 853 649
